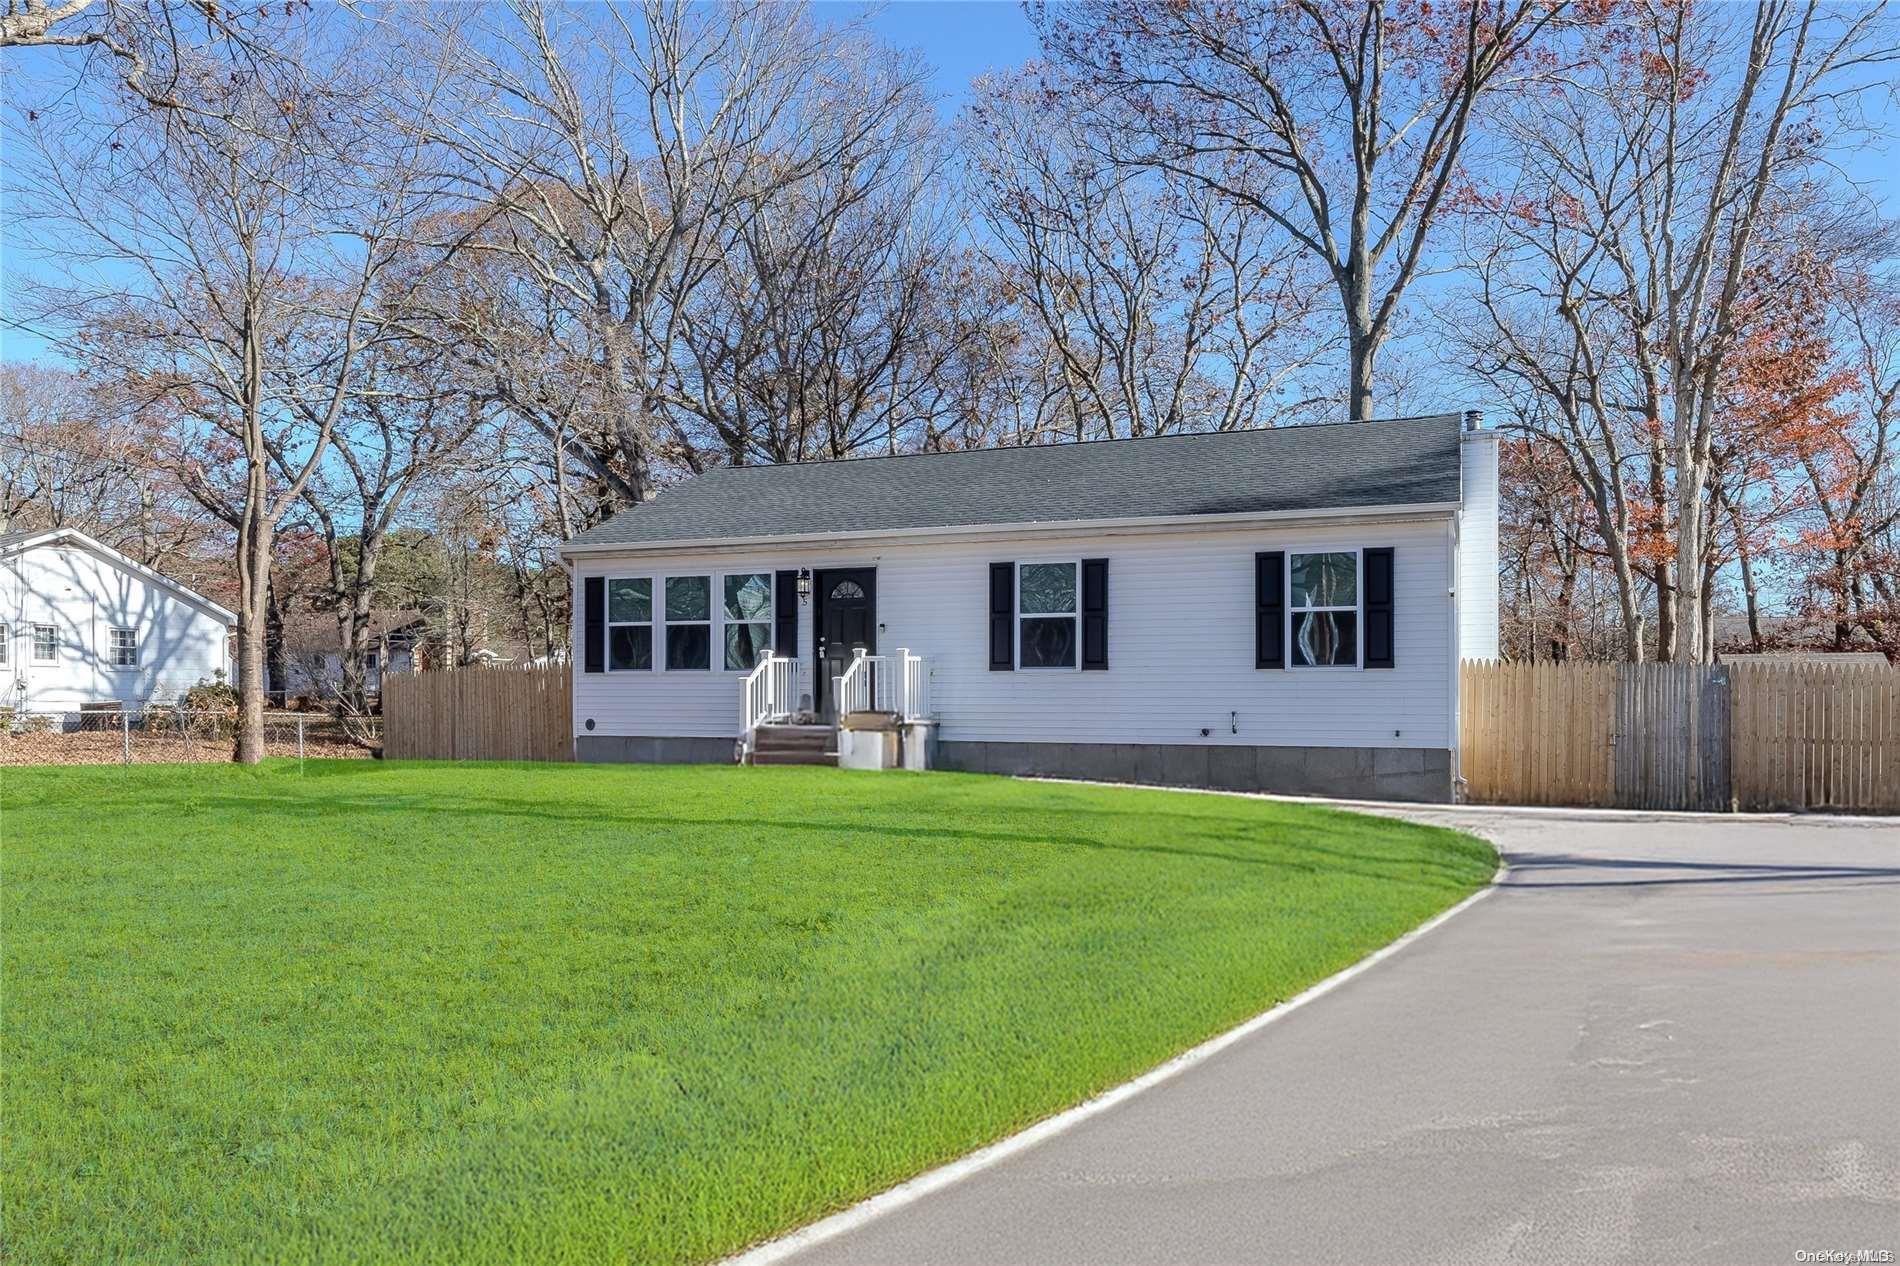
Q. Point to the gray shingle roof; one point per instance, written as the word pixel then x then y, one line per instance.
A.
pixel 1406 461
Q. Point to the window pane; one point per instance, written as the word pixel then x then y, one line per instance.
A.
pixel 1049 643
pixel 689 645
pixel 745 643
pixel 1048 588
pixel 1325 580
pixel 749 597
pixel 1325 638
pixel 629 601
pixel 630 646
pixel 45 641
pixel 689 598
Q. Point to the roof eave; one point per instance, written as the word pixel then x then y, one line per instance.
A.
pixel 1043 527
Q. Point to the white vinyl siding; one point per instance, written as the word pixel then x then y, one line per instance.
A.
pixel 1477 578
pixel 1180 618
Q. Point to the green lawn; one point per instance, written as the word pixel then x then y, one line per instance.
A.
pixel 495 1013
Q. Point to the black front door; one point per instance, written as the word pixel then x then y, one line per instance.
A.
pixel 846 619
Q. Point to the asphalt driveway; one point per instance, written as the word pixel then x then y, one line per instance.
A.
pixel 1666 1038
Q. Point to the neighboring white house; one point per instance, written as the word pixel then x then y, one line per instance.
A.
pixel 313 658
pixel 80 623
pixel 1277 610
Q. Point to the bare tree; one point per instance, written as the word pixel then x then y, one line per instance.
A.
pixel 229 260
pixel 147 44
pixel 615 151
pixel 1162 305
pixel 402 427
pixel 1343 122
pixel 812 332
pixel 1713 147
pixel 1618 266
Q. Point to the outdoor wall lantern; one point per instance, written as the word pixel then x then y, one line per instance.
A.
pixel 804 584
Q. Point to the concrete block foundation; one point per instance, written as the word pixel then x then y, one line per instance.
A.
pixel 1360 773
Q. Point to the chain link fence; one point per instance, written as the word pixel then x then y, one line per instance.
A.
pixel 167 735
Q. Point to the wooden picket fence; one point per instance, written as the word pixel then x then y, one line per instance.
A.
pixel 1816 736
pixel 479 714
pixel 1682 736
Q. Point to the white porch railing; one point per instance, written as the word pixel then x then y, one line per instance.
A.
pixel 771 693
pixel 898 683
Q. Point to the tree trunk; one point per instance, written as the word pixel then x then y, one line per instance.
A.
pixel 1689 648
pixel 1666 613
pixel 1751 596
pixel 276 667
pixel 1362 349
pixel 254 547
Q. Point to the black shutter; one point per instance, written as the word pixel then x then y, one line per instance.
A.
pixel 1378 603
pixel 1002 617
pixel 594 624
pixel 1095 613
pixel 785 614
pixel 1269 609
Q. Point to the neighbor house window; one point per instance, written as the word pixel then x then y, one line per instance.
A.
pixel 45 644
pixel 5 644
pixel 629 624
pixel 688 622
pixel 1046 614
pixel 124 648
pixel 748 618
pixel 1323 608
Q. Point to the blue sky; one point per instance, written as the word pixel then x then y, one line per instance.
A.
pixel 961 38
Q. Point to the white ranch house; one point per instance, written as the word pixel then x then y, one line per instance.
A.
pixel 83 625
pixel 1278 610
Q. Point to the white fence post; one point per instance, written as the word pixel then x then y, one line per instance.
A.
pixel 300 736
pixel 125 734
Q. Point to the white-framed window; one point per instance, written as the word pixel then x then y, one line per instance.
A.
pixel 45 644
pixel 122 647
pixel 746 612
pixel 629 623
pixel 1048 606
pixel 1323 609
pixel 688 623
pixel 6 645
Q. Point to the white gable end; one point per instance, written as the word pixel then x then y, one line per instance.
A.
pixel 86 625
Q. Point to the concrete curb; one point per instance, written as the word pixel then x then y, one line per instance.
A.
pixel 934 1180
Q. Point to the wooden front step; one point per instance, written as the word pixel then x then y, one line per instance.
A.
pixel 794 758
pixel 793 745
